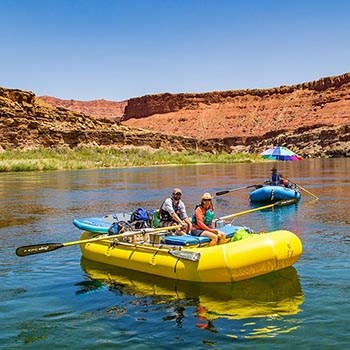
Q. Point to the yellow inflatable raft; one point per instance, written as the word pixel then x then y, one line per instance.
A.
pixel 234 261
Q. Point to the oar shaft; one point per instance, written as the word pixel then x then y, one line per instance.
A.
pixel 279 203
pixel 304 189
pixel 247 211
pixel 122 235
pixel 100 238
pixel 233 190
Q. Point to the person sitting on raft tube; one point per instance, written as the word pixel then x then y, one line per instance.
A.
pixel 277 179
pixel 203 221
pixel 173 212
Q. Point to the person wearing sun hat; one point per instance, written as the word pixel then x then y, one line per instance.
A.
pixel 203 221
pixel 277 179
pixel 173 212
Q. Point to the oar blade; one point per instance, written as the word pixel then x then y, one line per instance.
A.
pixel 286 202
pixel 37 248
pixel 220 193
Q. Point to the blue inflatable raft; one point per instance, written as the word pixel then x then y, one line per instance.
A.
pixel 100 224
pixel 272 194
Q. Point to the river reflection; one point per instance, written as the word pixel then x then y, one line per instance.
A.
pixel 273 296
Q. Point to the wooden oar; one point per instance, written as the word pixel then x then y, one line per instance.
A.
pixel 279 204
pixel 220 193
pixel 303 189
pixel 48 247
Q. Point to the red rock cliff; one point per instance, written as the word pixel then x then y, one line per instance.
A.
pixel 28 122
pixel 101 109
pixel 310 118
pixel 244 113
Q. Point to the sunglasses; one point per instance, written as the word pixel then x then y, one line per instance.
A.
pixel 177 194
pixel 206 200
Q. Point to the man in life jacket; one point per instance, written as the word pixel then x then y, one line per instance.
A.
pixel 173 212
pixel 277 179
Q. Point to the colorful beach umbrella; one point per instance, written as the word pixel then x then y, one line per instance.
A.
pixel 280 153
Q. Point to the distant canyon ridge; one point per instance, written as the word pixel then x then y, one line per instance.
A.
pixel 310 118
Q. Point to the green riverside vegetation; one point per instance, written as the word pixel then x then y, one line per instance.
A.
pixel 101 157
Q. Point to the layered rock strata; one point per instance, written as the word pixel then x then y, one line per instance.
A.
pixel 27 122
pixel 317 141
pixel 101 109
pixel 313 119
pixel 244 113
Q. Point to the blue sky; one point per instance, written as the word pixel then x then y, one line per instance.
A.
pixel 93 49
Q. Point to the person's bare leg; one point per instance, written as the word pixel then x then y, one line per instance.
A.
pixel 213 237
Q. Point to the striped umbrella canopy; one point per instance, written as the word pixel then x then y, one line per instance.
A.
pixel 280 153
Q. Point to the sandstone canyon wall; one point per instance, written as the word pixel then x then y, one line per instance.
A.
pixel 28 122
pixel 311 118
pixel 102 109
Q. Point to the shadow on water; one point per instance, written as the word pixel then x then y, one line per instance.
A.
pixel 275 295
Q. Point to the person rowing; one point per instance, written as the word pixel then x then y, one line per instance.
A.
pixel 277 179
pixel 173 211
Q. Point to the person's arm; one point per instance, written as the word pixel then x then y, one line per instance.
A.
pixel 187 223
pixel 168 206
pixel 176 218
pixel 183 214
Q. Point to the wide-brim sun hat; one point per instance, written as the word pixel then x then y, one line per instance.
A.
pixel 206 195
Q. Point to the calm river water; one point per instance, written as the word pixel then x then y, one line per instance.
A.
pixel 59 301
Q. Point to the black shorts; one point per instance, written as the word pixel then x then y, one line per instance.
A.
pixel 196 232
